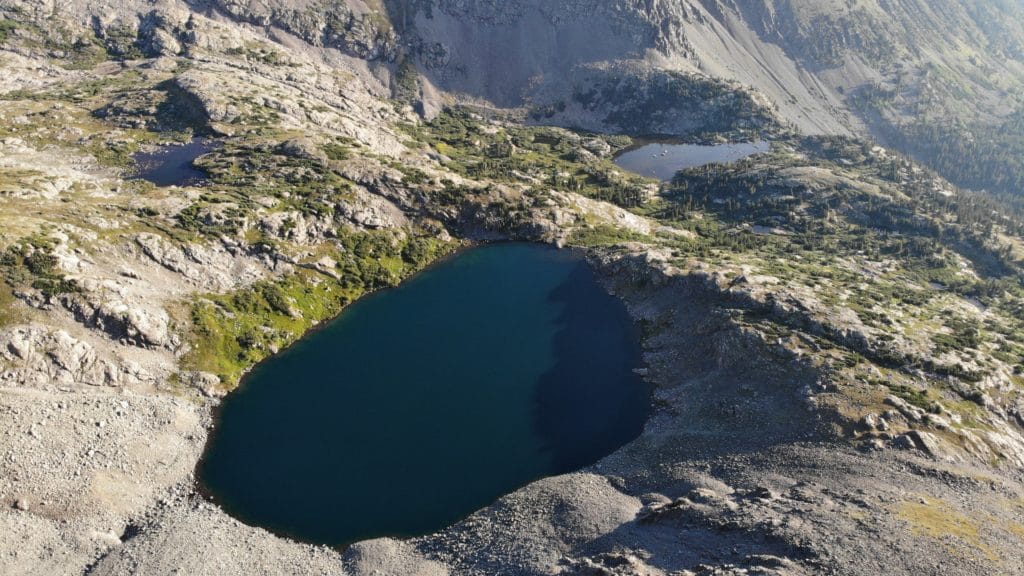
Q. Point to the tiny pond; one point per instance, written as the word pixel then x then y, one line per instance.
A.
pixel 172 165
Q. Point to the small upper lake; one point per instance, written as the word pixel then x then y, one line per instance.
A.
pixel 422 404
pixel 172 165
pixel 662 161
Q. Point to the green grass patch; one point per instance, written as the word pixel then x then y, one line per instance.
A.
pixel 10 312
pixel 31 263
pixel 550 157
pixel 963 336
pixel 912 396
pixel 233 332
pixel 603 235
pixel 939 520
pixel 7 28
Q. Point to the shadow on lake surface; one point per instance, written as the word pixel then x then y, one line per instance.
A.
pixel 580 418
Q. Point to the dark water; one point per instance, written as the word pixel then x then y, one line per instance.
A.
pixel 662 161
pixel 172 165
pixel 422 404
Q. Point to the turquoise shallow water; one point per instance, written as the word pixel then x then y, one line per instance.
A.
pixel 422 404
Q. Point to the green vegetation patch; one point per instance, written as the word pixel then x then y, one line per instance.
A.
pixel 603 235
pixel 549 158
pixel 963 335
pixel 31 263
pixel 939 520
pixel 9 312
pixel 912 396
pixel 233 332
pixel 295 180
pixel 7 27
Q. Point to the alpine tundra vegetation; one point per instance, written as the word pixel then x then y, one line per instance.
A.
pixel 832 328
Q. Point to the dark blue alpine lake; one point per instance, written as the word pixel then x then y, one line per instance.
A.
pixel 422 404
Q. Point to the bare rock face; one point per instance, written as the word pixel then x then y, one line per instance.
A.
pixel 203 90
pixel 161 32
pixel 136 324
pixel 549 62
pixel 456 41
pixel 297 227
pixel 304 148
pixel 212 267
pixel 39 357
pixel 350 26
pixel 371 211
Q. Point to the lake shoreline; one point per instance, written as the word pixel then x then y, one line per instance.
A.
pixel 664 159
pixel 215 428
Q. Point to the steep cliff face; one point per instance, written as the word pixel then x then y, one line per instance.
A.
pixel 940 80
pixel 513 52
pixel 543 54
pixel 829 67
pixel 930 58
pixel 915 74
pixel 355 27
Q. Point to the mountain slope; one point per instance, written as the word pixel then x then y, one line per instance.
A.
pixel 911 72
